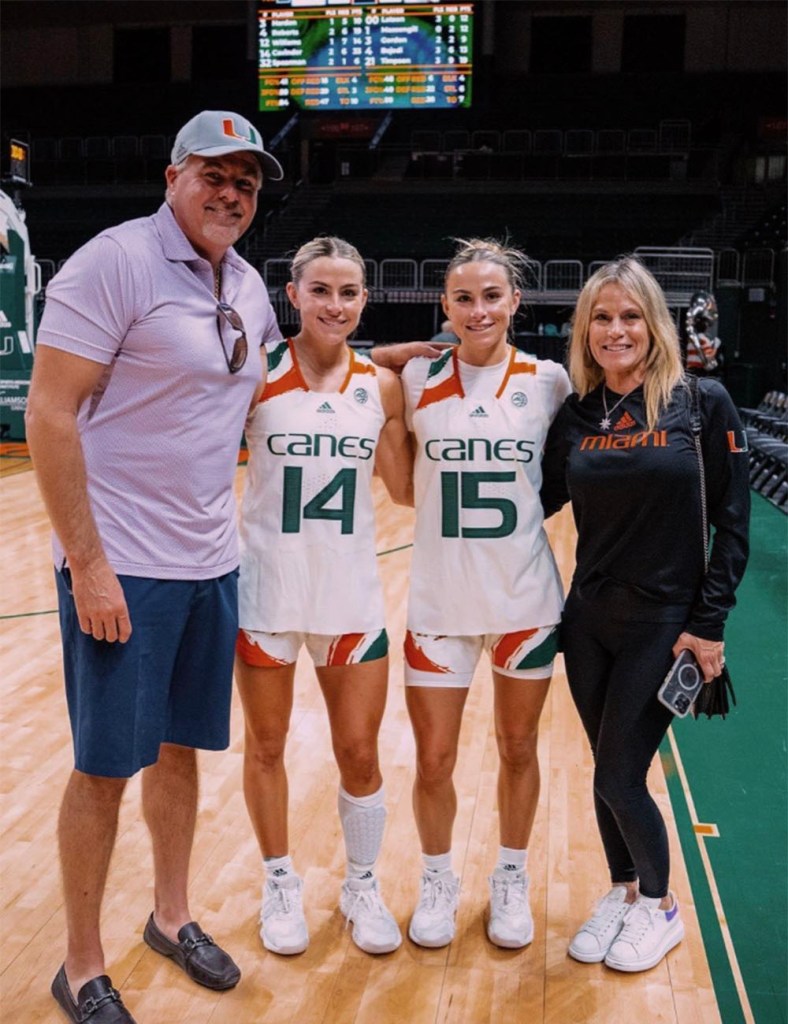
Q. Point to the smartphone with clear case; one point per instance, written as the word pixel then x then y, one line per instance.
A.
pixel 682 684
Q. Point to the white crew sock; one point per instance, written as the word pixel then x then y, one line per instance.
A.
pixel 278 868
pixel 511 860
pixel 436 864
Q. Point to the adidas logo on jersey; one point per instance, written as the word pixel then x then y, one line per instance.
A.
pixel 325 407
pixel 478 411
pixel 625 423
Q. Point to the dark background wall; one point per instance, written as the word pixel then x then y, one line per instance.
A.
pixel 78 77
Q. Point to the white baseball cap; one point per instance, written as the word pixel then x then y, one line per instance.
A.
pixel 218 132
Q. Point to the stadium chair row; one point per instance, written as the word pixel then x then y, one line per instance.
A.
pixel 101 147
pixel 670 138
pixel 752 268
pixel 98 159
pixel 770 416
pixel 769 472
pixel 770 231
pixel 477 165
pixel 767 438
pixel 427 275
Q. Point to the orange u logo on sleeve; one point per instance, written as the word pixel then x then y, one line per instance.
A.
pixel 732 446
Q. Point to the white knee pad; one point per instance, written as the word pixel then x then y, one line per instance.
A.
pixel 363 821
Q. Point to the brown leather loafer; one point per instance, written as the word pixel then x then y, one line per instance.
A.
pixel 197 953
pixel 97 1003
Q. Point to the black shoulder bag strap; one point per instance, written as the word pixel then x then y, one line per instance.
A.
pixel 713 697
pixel 695 425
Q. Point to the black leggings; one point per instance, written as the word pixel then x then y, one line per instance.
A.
pixel 615 668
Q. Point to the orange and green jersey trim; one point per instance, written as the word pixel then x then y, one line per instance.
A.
pixel 517 364
pixel 284 373
pixel 443 379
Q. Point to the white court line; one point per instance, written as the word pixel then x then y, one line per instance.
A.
pixel 715 893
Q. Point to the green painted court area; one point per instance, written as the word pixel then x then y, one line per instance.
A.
pixel 736 775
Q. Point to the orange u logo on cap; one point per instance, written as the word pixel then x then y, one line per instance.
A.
pixel 229 129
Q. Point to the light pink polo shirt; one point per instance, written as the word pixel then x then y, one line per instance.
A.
pixel 161 433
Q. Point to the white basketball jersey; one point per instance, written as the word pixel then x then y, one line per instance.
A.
pixel 307 520
pixel 481 559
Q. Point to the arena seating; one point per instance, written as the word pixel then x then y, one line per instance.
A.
pixel 769 231
pixel 767 438
pixel 548 225
pixel 578 153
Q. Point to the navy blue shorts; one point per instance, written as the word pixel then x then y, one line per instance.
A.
pixel 171 682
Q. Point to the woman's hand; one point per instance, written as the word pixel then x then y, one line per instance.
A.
pixel 710 654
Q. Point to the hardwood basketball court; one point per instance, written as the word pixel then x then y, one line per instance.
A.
pixel 333 982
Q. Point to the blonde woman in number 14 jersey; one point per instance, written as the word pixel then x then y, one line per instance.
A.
pixel 325 420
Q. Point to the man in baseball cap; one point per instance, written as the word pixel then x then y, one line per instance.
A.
pixel 219 132
pixel 161 322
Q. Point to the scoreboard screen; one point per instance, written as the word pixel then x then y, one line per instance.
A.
pixel 365 55
pixel 18 162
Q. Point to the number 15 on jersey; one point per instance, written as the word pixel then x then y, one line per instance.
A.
pixel 462 491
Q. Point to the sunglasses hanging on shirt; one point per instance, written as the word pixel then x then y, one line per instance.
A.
pixel 224 311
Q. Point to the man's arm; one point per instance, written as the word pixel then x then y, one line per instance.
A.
pixel 61 383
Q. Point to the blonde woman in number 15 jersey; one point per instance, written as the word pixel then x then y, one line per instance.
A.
pixel 483 578
pixel 326 419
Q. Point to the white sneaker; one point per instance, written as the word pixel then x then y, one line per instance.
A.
pixel 597 935
pixel 648 934
pixel 511 924
pixel 432 924
pixel 374 928
pixel 282 922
